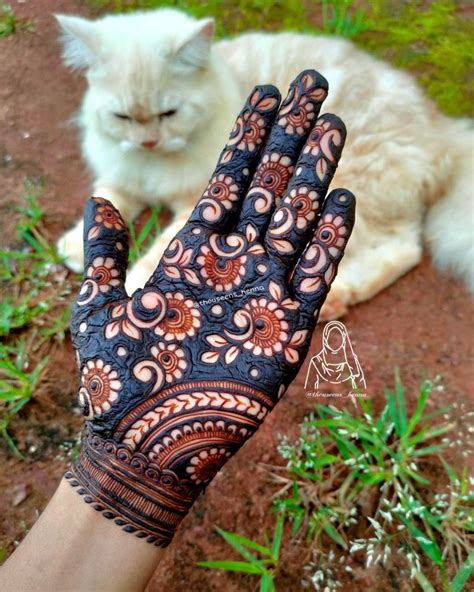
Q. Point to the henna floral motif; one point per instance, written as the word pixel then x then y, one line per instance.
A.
pixel 104 273
pixel 203 467
pixel 254 134
pixel 182 318
pixel 305 202
pixel 261 328
pixel 100 388
pixel 222 266
pixel 298 121
pixel 109 217
pixel 295 213
pixel 249 129
pixel 274 172
pixel 271 178
pixel 220 194
pixel 269 329
pixel 106 217
pixel 171 358
pixel 332 232
pixel 221 273
pixel 175 378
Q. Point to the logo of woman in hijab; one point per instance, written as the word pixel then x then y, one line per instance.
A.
pixel 337 362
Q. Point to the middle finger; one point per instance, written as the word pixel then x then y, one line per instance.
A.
pixel 294 121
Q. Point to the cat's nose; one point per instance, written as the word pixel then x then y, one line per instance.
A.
pixel 149 144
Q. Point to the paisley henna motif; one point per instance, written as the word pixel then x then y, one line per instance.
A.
pixel 237 160
pixel 220 194
pixel 175 378
pixel 295 216
pixel 298 110
pixel 296 116
pixel 176 262
pixel 144 311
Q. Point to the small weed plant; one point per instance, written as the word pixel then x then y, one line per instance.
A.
pixel 357 490
pixel 34 312
pixel 262 560
pixel 141 240
pixel 9 22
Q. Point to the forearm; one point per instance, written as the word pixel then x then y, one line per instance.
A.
pixel 72 548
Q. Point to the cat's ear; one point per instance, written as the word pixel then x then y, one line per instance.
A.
pixel 196 49
pixel 80 41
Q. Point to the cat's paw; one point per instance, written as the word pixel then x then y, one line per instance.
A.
pixel 70 248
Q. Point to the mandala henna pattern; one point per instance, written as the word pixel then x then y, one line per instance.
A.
pixel 175 378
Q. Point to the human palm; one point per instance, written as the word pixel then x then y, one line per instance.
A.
pixel 176 377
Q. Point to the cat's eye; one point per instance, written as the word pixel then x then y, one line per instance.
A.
pixel 169 113
pixel 123 116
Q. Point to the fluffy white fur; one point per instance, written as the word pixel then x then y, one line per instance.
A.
pixel 403 159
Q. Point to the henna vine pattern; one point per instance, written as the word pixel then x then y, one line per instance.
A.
pixel 172 385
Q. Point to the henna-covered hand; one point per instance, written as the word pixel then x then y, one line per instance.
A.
pixel 174 379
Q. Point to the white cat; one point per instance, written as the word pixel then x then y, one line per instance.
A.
pixel 161 101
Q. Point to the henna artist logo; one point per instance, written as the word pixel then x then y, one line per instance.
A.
pixel 229 296
pixel 336 363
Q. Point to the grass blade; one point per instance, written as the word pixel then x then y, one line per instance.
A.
pixel 464 573
pixel 277 537
pixel 233 541
pixel 239 566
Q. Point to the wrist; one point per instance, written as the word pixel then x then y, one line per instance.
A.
pixel 131 491
pixel 73 548
pixel 164 452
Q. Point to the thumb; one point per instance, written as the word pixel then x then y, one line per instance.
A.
pixel 105 255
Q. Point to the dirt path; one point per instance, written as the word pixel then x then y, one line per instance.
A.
pixel 423 324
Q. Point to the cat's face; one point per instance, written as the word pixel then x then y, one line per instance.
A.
pixel 147 108
pixel 140 70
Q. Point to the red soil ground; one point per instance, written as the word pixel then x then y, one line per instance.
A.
pixel 423 324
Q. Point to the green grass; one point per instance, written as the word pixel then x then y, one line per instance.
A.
pixel 141 241
pixel 9 22
pixel 358 487
pixel 262 560
pixel 34 312
pixel 433 41
pixel 32 277
pixel 428 38
pixel 17 384
pixel 338 17
pixel 343 459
